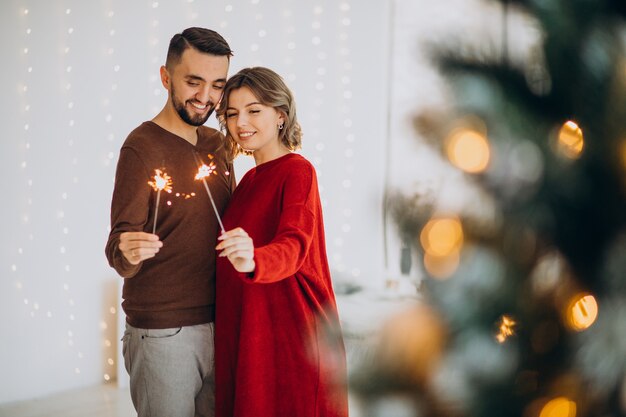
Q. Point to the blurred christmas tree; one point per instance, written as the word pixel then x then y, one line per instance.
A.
pixel 525 311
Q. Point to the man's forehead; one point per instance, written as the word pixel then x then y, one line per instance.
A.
pixel 206 66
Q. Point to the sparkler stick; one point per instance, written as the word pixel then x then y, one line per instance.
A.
pixel 203 172
pixel 162 181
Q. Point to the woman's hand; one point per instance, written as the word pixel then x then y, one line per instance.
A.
pixel 237 246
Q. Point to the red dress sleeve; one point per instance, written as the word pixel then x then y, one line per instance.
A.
pixel 287 251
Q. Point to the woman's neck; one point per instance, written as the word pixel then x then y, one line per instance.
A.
pixel 261 157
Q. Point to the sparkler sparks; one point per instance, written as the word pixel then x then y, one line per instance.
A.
pixel 162 181
pixel 206 170
pixel 203 172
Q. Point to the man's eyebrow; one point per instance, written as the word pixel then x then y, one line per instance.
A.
pixel 194 77
pixel 199 78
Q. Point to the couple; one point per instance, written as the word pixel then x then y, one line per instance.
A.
pixel 241 323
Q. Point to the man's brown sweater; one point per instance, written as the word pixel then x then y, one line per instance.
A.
pixel 176 287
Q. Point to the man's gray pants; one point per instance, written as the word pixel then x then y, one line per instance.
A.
pixel 171 371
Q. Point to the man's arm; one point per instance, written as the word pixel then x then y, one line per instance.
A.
pixel 128 245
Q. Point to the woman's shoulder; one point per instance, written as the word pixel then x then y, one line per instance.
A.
pixel 298 162
pixel 298 171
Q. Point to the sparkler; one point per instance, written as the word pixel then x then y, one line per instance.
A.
pixel 203 172
pixel 162 181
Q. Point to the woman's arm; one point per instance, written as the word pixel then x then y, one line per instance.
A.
pixel 284 255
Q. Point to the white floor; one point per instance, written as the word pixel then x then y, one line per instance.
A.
pixel 99 401
pixel 363 315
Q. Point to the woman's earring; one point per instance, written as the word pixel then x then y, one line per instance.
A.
pixel 280 126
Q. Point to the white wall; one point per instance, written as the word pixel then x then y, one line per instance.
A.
pixel 77 76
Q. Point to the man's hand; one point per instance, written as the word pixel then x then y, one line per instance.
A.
pixel 239 248
pixel 139 246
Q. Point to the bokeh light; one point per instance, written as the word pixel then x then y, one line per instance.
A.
pixel 411 344
pixel 441 266
pixel 442 239
pixel 468 150
pixel 570 140
pixel 442 236
pixel 559 407
pixel 582 312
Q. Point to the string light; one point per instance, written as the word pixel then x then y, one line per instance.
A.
pixel 19 274
pixel 64 199
pixel 344 105
pixel 108 322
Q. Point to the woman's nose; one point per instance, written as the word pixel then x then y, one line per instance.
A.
pixel 241 120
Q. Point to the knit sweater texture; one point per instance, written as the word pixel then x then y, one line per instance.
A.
pixel 177 287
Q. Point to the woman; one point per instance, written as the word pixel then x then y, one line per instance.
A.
pixel 279 350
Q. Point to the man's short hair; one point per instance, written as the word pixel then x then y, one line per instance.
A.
pixel 201 39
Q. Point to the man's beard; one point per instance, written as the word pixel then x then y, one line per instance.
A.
pixel 191 119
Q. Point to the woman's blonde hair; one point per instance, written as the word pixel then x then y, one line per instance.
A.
pixel 270 89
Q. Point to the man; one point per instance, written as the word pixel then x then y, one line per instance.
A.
pixel 169 276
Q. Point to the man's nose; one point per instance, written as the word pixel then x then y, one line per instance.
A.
pixel 204 95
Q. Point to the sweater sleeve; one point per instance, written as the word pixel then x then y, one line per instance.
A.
pixel 286 252
pixel 129 208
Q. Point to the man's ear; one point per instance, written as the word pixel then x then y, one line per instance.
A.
pixel 165 77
